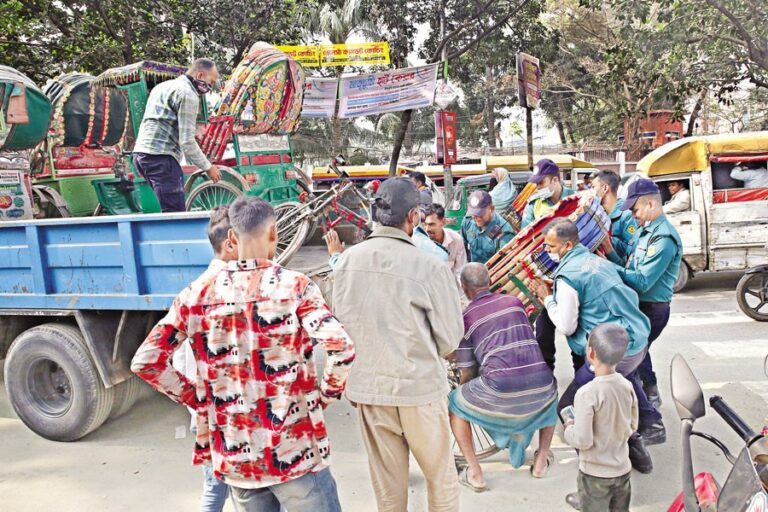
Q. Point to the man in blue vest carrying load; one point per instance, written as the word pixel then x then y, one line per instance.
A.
pixel 588 292
pixel 652 268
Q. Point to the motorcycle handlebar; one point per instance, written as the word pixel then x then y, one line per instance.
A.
pixel 732 419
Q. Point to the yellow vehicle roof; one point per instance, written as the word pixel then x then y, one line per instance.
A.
pixel 520 162
pixel 693 153
pixel 358 171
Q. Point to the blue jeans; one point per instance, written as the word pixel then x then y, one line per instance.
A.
pixel 647 413
pixel 215 492
pixel 313 492
pixel 166 178
pixel 658 314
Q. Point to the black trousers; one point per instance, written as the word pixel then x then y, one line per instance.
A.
pixel 545 337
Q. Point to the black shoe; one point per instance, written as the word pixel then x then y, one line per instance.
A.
pixel 654 434
pixel 652 392
pixel 639 455
pixel 573 500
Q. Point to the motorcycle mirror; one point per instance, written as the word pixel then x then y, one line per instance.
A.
pixel 340 160
pixel 686 391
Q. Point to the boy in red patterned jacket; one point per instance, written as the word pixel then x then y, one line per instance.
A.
pixel 253 327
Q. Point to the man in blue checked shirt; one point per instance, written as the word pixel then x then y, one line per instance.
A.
pixel 167 132
pixel 652 268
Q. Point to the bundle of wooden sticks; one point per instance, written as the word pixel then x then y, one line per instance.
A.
pixel 523 259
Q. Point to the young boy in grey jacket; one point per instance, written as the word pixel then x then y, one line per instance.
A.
pixel 604 416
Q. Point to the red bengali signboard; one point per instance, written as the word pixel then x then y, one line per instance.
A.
pixel 445 135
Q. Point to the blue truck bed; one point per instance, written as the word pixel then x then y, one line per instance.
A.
pixel 126 262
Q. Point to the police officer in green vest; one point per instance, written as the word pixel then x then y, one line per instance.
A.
pixel 623 226
pixel 588 292
pixel 549 182
pixel 652 268
pixel 484 231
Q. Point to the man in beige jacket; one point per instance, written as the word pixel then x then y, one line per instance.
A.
pixel 401 307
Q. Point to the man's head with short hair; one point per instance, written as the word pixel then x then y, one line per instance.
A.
pixel 474 279
pixel 419 178
pixel 204 70
pixel 218 234
pixel 253 228
pixel 608 179
pixel 676 186
pixel 608 343
pixel 560 236
pixel 434 222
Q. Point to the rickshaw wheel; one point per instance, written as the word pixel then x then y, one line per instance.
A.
pixel 484 445
pixel 292 229
pixel 210 195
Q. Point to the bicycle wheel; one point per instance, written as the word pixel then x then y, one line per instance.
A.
pixel 484 445
pixel 292 229
pixel 209 195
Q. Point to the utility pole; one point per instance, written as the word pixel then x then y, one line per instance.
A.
pixel 447 173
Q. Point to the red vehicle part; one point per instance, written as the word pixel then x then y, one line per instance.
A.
pixel 707 491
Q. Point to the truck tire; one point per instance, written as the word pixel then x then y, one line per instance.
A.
pixel 682 277
pixel 53 384
pixel 126 394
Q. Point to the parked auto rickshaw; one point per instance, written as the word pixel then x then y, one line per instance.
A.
pixel 25 116
pixel 517 166
pixel 726 226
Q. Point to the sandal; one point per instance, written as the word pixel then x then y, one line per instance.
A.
pixel 550 460
pixel 464 480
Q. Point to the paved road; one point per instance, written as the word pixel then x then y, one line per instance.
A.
pixel 142 460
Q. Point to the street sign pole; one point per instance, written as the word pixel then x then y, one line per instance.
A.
pixel 529 134
pixel 447 174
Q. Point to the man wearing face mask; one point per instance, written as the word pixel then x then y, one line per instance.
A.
pixel 546 176
pixel 167 132
pixel 401 306
pixel 484 231
pixel 550 190
pixel 588 292
pixel 652 268
pixel 623 226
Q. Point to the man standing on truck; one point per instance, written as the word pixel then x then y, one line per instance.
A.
pixel 167 132
pixel 753 174
pixel 651 271
pixel 259 405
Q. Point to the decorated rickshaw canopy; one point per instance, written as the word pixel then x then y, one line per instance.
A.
pixel 696 153
pixel 84 113
pixel 145 70
pixel 25 112
pixel 265 93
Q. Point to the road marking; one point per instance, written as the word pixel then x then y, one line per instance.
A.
pixel 707 318
pixel 736 349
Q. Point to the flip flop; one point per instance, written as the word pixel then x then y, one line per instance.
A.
pixel 464 480
pixel 550 460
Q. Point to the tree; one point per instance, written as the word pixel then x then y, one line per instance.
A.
pixel 466 23
pixel 43 38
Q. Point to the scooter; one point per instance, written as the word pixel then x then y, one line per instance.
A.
pixel 745 488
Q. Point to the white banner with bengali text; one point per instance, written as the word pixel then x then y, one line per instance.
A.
pixel 319 97
pixel 389 91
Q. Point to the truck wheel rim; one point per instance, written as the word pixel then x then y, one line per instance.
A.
pixel 50 387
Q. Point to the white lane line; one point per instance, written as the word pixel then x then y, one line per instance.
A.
pixel 707 318
pixel 760 388
pixel 736 349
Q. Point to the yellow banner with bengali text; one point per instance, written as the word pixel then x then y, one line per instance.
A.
pixel 307 56
pixel 355 54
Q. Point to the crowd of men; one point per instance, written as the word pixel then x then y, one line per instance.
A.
pixel 247 329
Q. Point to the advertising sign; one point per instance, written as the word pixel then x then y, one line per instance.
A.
pixel 354 54
pixel 390 91
pixel 528 80
pixel 445 135
pixel 320 97
pixel 15 203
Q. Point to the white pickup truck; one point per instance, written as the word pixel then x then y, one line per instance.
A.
pixel 726 225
